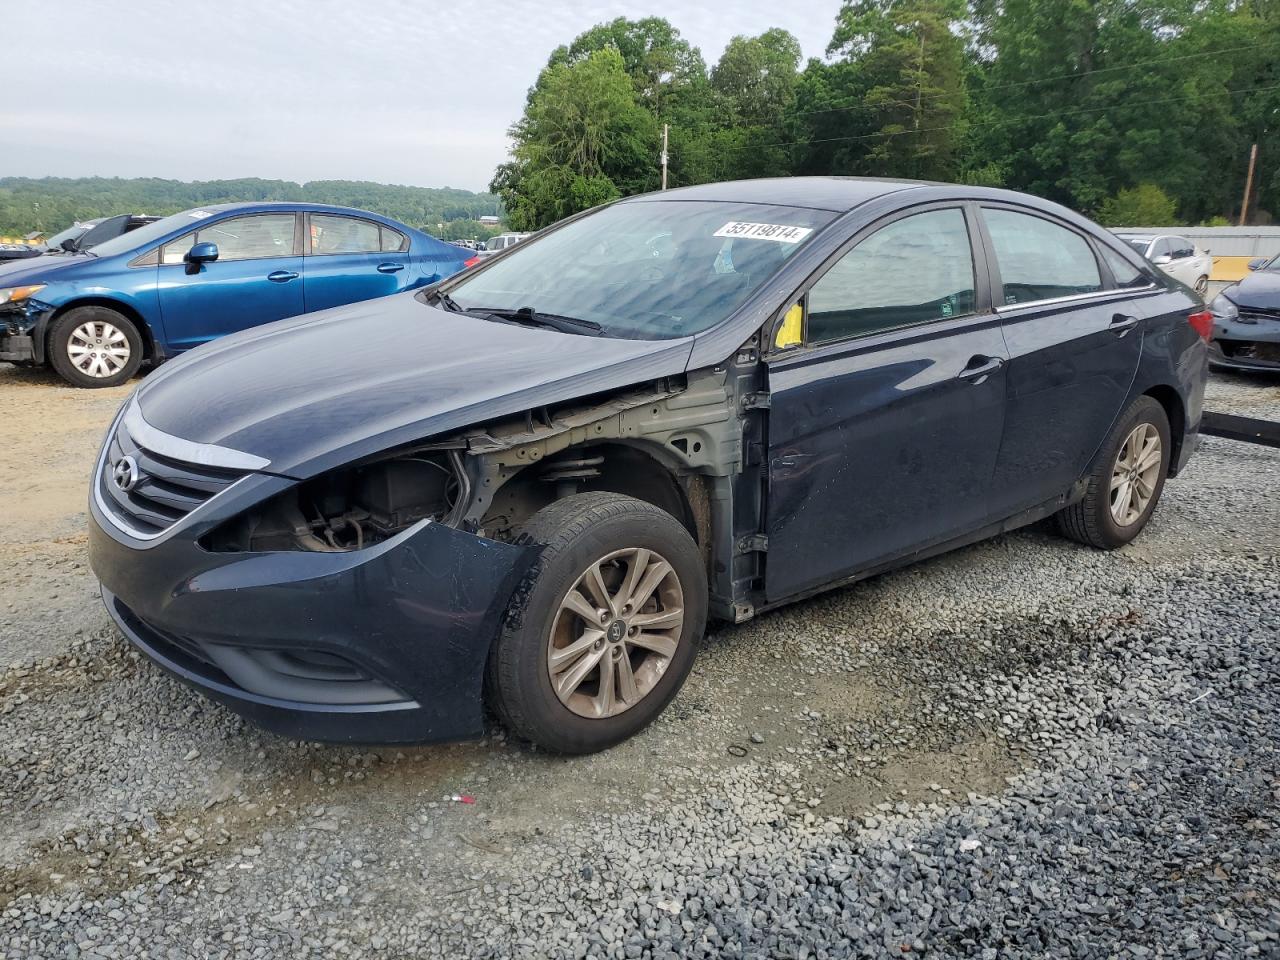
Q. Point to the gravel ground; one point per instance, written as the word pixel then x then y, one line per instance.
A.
pixel 1022 749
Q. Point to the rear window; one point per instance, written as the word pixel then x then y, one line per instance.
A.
pixel 650 270
pixel 1038 259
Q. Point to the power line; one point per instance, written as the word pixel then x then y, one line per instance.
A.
pixel 1061 76
pixel 997 122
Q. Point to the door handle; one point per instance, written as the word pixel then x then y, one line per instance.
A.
pixel 390 267
pixel 1122 324
pixel 979 368
pixel 282 276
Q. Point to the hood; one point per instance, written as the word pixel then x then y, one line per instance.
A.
pixel 41 269
pixel 323 389
pixel 1259 290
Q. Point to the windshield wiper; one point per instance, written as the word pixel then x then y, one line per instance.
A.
pixel 528 315
pixel 445 300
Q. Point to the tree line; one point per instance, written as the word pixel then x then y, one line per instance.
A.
pixel 51 203
pixel 1131 111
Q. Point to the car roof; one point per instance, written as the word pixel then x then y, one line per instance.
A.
pixel 261 206
pixel 836 194
pixel 1140 237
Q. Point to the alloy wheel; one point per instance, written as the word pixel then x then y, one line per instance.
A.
pixel 615 633
pixel 1202 285
pixel 98 349
pixel 1135 473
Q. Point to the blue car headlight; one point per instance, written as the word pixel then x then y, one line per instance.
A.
pixel 18 294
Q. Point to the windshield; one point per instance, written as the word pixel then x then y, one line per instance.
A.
pixel 71 233
pixel 1138 243
pixel 136 239
pixel 647 270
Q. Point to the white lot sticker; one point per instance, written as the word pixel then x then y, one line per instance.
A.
pixel 199 214
pixel 763 231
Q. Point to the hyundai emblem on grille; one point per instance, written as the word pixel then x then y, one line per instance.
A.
pixel 125 474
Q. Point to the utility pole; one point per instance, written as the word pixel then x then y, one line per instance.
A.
pixel 1248 184
pixel 664 157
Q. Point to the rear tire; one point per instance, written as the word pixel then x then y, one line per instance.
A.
pixel 547 671
pixel 1126 482
pixel 95 347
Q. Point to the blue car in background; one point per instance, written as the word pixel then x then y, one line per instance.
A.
pixel 181 281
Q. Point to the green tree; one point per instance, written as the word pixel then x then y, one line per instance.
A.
pixel 583 140
pixel 892 100
pixel 1145 205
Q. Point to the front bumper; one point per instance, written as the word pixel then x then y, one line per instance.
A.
pixel 17 348
pixel 22 331
pixel 1250 342
pixel 382 645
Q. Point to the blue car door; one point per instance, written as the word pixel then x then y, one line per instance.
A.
pixel 1074 348
pixel 256 278
pixel 884 425
pixel 351 259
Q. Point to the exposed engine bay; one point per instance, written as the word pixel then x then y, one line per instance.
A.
pixel 351 509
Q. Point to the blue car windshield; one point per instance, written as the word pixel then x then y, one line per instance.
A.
pixel 646 270
pixel 144 236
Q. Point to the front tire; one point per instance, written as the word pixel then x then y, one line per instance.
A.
pixel 95 347
pixel 1202 285
pixel 1126 482
pixel 609 626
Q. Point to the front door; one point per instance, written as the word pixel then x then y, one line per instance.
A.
pixel 1074 348
pixel 353 259
pixel 885 423
pixel 257 278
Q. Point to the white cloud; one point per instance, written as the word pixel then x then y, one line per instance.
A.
pixel 405 91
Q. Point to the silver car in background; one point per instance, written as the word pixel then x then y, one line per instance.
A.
pixel 1177 256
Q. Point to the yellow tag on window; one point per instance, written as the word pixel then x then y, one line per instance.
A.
pixel 791 333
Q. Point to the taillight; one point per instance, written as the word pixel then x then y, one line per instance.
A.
pixel 470 263
pixel 1202 323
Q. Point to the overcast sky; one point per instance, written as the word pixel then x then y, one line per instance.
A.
pixel 397 91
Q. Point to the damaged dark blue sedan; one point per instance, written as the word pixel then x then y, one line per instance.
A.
pixel 532 484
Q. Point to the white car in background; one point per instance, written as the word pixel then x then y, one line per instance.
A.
pixel 1176 256
pixel 499 243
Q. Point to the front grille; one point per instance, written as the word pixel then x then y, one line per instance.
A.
pixel 1251 315
pixel 165 490
pixel 1253 351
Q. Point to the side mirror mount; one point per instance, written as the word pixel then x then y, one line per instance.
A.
pixel 1257 263
pixel 1161 260
pixel 199 254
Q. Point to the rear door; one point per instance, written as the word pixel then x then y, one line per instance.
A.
pixel 351 259
pixel 1074 346
pixel 885 423
pixel 256 278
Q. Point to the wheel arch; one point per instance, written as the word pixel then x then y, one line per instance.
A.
pixel 631 467
pixel 1169 398
pixel 149 350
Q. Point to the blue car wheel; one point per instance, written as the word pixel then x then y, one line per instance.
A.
pixel 95 347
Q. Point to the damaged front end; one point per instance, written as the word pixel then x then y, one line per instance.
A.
pixel 353 508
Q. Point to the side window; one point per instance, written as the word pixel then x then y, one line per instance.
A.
pixel 240 238
pixel 394 241
pixel 1126 274
pixel 330 234
pixel 1182 248
pixel 916 269
pixel 1040 260
pixel 1161 248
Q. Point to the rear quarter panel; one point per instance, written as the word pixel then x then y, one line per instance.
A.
pixel 1174 355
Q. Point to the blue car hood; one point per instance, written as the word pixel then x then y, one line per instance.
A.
pixel 326 388
pixel 42 269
